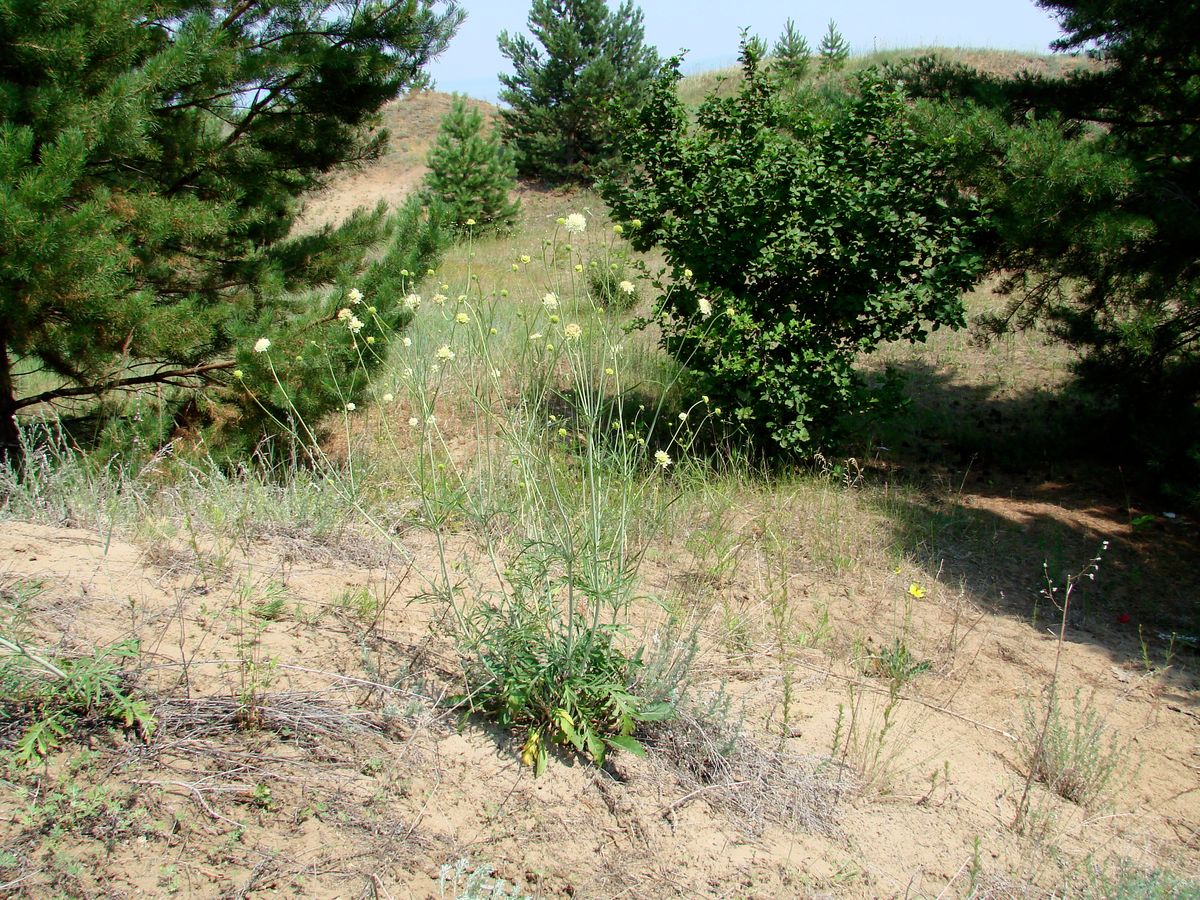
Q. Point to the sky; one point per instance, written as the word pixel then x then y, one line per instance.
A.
pixel 708 30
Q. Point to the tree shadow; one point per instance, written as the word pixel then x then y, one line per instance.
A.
pixel 1009 496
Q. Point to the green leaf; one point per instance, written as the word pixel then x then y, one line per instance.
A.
pixel 625 742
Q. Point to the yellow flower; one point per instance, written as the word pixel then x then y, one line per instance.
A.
pixel 470 222
pixel 529 753
pixel 525 258
pixel 462 318
pixel 572 331
pixel 444 353
pixel 562 432
pixel 687 273
pixel 617 229
pixel 609 372
pixel 238 373
pixel 370 339
pixel 915 590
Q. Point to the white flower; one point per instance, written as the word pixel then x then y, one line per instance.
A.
pixel 355 324
pixel 626 287
pixel 550 300
pixel 439 299
pixel 350 407
pixel 572 331
pixel 412 301
pixel 445 353
pixel 354 295
pixel 412 422
pixel 388 398
pixel 575 223
pixel 705 307
pixel 407 341
pixel 683 417
pixel 344 314
pixel 536 336
pixel 662 458
pixel 406 372
pixel 262 345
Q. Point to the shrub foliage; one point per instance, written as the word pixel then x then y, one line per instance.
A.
pixel 797 240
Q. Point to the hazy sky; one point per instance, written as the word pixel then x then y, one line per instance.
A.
pixel 708 30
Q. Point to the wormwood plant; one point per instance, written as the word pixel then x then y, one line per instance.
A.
pixel 798 237
pixel 1076 758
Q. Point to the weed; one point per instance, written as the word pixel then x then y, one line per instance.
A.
pixel 1065 757
pixel 1076 756
pixel 863 735
pixel 464 880
pixel 49 695
pixel 895 663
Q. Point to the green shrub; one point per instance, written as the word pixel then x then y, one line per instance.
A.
pixel 798 237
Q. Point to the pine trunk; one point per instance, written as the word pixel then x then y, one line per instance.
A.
pixel 10 443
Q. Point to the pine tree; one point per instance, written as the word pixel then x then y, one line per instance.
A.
pixel 834 51
pixel 793 56
pixel 152 160
pixel 1094 182
pixel 561 96
pixel 471 174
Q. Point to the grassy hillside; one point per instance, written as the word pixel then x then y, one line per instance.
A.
pixel 865 650
pixel 694 88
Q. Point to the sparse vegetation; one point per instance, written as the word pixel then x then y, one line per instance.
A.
pixel 526 522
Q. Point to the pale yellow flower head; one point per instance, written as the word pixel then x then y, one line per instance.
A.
pixel 575 223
